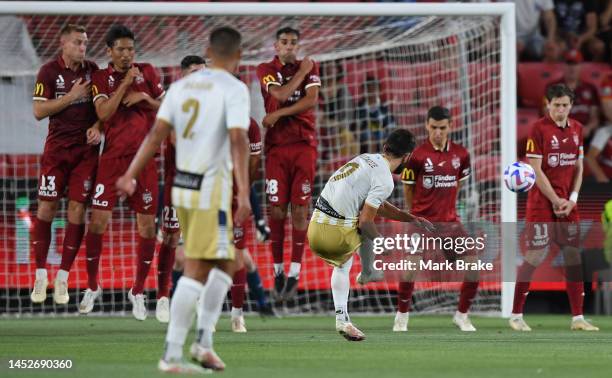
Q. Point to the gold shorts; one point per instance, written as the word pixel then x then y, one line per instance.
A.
pixel 207 234
pixel 333 243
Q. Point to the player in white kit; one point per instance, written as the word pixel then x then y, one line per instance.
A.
pixel 345 211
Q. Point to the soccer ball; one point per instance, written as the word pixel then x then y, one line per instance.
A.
pixel 519 177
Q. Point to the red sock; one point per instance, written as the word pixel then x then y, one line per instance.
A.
pixel 72 243
pixel 93 249
pixel 297 251
pixel 521 289
pixel 404 296
pixel 277 239
pixel 238 288
pixel 468 292
pixel 165 261
pixel 41 238
pixel 146 251
pixel 574 286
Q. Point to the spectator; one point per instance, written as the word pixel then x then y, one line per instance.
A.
pixel 586 105
pixel 598 50
pixel 599 157
pixel 530 41
pixel 374 118
pixel 576 21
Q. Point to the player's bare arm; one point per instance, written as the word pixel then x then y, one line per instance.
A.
pixel 239 145
pixel 106 107
pixel 126 184
pixel 408 195
pixel 544 184
pixel 389 211
pixel 283 92
pixel 44 109
pixel 94 133
pixel 254 163
pixel 307 102
pixel 569 205
pixel 367 227
pixel 591 160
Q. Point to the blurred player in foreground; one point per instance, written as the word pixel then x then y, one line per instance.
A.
pixel 209 112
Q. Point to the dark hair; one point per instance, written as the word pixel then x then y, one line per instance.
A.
pixel 190 60
pixel 69 28
pixel 287 30
pixel 559 90
pixel 117 32
pixel 438 113
pixel 225 41
pixel 399 143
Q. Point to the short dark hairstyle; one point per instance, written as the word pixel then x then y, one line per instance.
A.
pixel 559 90
pixel 190 60
pixel 225 41
pixel 287 30
pixel 438 113
pixel 117 32
pixel 69 28
pixel 399 143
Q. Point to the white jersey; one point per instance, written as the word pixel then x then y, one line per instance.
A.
pixel 365 179
pixel 201 108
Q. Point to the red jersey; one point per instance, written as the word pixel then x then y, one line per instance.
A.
pixel 254 145
pixel 54 80
pixel 127 128
pixel 296 128
pixel 559 148
pixel 586 97
pixel 435 175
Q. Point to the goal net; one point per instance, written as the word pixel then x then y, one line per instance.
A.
pixel 378 73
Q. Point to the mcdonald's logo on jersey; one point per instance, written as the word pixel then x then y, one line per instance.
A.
pixel 530 145
pixel 94 90
pixel 407 175
pixel 268 79
pixel 39 89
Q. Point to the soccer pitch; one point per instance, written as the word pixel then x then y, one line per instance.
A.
pixel 309 347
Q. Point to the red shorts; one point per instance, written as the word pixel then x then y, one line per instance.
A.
pixel 144 199
pixel 290 174
pixel 170 222
pixel 72 168
pixel 542 227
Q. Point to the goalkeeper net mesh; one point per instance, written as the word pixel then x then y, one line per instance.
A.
pixel 378 73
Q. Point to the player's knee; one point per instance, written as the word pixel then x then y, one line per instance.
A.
pixel 76 212
pixel 571 256
pixel 248 260
pixel 146 231
pixel 278 212
pixel 97 223
pixel 536 257
pixel 299 217
pixel 46 210
pixel 171 239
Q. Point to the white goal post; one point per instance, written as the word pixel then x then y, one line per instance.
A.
pixel 507 64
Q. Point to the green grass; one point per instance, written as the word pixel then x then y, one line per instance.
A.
pixel 309 347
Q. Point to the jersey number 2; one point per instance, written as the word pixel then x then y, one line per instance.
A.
pixel 192 106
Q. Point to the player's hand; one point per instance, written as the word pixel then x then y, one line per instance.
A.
pixel 566 209
pixel 306 65
pixel 80 89
pixel 270 119
pixel 125 186
pixel 132 73
pixel 424 223
pixel 243 210
pixel 93 136
pixel 134 98
pixel 559 207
